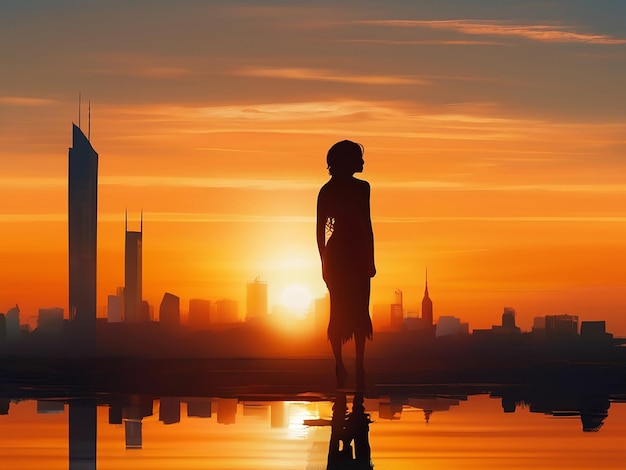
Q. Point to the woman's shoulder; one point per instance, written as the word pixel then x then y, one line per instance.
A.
pixel 334 185
pixel 361 184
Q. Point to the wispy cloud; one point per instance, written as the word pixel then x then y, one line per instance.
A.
pixel 34 182
pixel 536 32
pixel 26 101
pixel 48 183
pixel 21 218
pixel 476 186
pixel 209 183
pixel 433 42
pixel 304 184
pixel 357 118
pixel 496 218
pixel 322 110
pixel 140 66
pixel 312 74
pixel 198 217
pixel 165 217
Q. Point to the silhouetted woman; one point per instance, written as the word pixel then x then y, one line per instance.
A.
pixel 343 210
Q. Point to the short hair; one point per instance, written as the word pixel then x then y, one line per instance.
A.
pixel 344 157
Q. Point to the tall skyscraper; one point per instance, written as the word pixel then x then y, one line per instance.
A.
pixel 132 274
pixel 82 230
pixel 256 300
pixel 427 306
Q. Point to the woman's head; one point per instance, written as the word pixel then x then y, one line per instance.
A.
pixel 345 158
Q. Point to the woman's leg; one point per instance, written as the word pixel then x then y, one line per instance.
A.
pixel 340 369
pixel 359 342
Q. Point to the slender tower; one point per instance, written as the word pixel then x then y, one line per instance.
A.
pixel 427 305
pixel 133 274
pixel 82 233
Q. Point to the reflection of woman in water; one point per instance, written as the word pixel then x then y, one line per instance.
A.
pixel 343 210
pixel 349 446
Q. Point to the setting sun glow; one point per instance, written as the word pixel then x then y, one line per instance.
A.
pixel 296 298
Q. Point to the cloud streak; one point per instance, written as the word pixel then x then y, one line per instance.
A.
pixel 199 217
pixel 304 184
pixel 535 32
pixel 165 217
pixel 312 74
pixel 496 218
pixel 26 101
pixel 143 66
pixel 429 42
pixel 209 183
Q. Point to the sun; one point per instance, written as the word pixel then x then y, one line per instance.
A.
pixel 296 298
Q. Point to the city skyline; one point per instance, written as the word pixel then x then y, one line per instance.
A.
pixel 493 137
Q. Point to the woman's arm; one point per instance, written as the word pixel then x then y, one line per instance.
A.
pixel 320 228
pixel 369 235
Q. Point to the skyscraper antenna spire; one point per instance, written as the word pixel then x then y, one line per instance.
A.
pixel 126 219
pixel 79 109
pixel 89 121
pixel 426 290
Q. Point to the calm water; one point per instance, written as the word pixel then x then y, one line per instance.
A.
pixel 420 432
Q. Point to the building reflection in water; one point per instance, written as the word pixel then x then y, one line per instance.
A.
pixel 429 405
pixel 4 406
pixel 199 408
pixel 591 406
pixel 139 407
pixel 169 410
pixel 349 445
pixel 82 434
pixel 227 410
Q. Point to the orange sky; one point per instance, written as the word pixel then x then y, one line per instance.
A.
pixel 493 134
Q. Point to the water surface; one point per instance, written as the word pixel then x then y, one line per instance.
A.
pixel 434 431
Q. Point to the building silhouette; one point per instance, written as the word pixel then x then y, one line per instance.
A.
pixel 427 306
pixel 508 321
pixel 133 309
pixel 199 314
pixel 12 324
pixel 115 307
pixel 595 332
pixel 226 311
pixel 451 326
pixel 169 311
pixel 256 300
pixel 563 325
pixel 50 321
pixel 396 312
pixel 82 231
